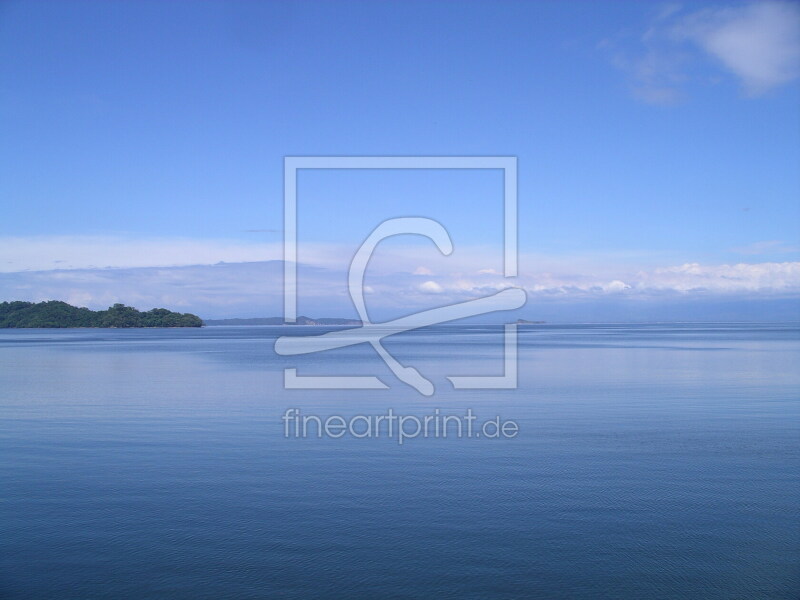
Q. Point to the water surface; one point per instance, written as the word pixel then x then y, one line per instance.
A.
pixel 653 461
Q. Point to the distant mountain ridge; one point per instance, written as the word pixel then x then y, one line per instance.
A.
pixel 301 320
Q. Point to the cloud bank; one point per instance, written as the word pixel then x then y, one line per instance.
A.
pixel 229 278
pixel 256 288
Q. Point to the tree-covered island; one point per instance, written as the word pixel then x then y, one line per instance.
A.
pixel 58 314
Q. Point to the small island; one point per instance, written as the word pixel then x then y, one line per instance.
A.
pixel 526 322
pixel 57 314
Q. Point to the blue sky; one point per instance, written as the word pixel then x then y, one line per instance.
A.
pixel 658 149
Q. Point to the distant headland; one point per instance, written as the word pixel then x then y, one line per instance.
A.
pixel 57 314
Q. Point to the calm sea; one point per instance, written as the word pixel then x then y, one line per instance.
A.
pixel 652 462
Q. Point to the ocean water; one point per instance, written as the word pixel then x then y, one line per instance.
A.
pixel 652 462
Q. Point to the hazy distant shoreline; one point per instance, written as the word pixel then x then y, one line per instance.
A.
pixel 301 320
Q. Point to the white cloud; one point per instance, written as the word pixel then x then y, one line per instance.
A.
pixel 689 278
pixel 616 286
pixel 726 279
pixel 431 287
pixel 422 271
pixel 758 42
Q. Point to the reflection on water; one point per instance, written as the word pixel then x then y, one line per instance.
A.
pixel 653 461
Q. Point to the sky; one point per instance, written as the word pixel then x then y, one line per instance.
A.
pixel 658 149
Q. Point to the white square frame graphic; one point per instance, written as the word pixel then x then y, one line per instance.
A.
pixel 292 164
